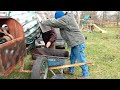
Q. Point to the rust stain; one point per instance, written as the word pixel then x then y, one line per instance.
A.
pixel 13 51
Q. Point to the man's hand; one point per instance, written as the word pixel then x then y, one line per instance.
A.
pixel 48 44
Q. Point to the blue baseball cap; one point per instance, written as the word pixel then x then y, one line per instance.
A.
pixel 59 14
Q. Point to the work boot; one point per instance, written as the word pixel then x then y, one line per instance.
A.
pixel 67 72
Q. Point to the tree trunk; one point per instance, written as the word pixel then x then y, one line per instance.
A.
pixel 118 14
pixel 104 18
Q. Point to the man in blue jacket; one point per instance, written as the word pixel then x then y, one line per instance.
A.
pixel 71 33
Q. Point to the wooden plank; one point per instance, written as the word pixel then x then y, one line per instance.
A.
pixel 24 71
pixel 69 65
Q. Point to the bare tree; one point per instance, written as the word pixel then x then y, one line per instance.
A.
pixel 104 18
pixel 118 17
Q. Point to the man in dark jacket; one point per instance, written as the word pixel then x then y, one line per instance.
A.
pixel 49 38
pixel 71 33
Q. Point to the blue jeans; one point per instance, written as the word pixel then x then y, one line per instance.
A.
pixel 77 53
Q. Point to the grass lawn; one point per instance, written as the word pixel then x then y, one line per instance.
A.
pixel 103 49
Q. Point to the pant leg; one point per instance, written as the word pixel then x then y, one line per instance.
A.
pixel 80 55
pixel 72 60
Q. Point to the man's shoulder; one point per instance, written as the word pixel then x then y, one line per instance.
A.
pixel 70 14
